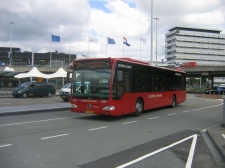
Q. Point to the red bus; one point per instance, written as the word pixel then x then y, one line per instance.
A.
pixel 122 86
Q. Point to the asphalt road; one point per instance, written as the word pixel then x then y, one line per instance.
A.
pixel 165 137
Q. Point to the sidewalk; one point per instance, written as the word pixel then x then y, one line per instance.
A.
pixel 16 110
pixel 217 135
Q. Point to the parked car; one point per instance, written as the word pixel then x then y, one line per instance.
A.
pixel 216 90
pixel 65 92
pixel 34 89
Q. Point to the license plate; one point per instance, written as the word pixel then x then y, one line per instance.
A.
pixel 89 112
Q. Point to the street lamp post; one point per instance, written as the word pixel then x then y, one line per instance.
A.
pixel 156 19
pixel 151 54
pixel 11 23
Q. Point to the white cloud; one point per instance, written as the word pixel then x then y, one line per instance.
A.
pixel 35 20
pixel 121 21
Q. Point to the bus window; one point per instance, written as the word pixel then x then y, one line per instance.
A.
pixel 140 84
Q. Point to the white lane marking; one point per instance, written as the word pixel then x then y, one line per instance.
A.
pixel 192 151
pixel 207 107
pixel 35 121
pixel 26 102
pixel 153 118
pixel 46 101
pixel 93 129
pixel 130 122
pixel 1 146
pixel 54 136
pixel 223 135
pixel 186 111
pixel 172 114
pixel 190 157
pixel 202 108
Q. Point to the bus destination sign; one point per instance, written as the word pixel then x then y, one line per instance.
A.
pixel 95 64
pixel 124 66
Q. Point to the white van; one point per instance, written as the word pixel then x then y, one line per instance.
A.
pixel 65 92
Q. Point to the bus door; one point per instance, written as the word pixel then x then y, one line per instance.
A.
pixel 154 91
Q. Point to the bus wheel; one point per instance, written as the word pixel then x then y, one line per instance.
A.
pixel 138 108
pixel 174 102
pixel 24 95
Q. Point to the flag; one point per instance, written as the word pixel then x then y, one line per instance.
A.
pixel 111 41
pixel 142 39
pixel 125 41
pixel 93 40
pixel 55 38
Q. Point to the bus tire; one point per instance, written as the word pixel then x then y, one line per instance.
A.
pixel 174 102
pixel 138 108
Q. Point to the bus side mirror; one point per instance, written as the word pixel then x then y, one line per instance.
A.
pixel 119 76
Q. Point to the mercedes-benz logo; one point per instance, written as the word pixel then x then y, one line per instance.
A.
pixel 88 106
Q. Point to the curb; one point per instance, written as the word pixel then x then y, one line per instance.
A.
pixel 217 139
pixel 19 112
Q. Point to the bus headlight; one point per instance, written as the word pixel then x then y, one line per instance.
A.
pixel 74 106
pixel 110 108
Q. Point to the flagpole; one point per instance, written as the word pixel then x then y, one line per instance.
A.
pixel 140 46
pixel 151 33
pixel 50 61
pixel 123 49
pixel 106 47
pixel 88 45
pixel 70 50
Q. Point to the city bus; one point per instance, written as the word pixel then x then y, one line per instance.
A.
pixel 122 86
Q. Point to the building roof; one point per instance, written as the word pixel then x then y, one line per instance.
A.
pixel 196 29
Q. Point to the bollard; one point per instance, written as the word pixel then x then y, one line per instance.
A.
pixel 223 122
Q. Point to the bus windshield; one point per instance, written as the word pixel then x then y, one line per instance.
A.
pixel 91 84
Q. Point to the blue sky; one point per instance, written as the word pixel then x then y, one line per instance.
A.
pixel 76 20
pixel 99 4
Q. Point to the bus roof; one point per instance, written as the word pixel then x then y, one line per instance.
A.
pixel 131 60
pixel 134 61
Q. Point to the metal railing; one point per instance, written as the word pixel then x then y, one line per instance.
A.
pixel 6 90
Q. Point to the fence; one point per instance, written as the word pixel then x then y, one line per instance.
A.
pixel 6 90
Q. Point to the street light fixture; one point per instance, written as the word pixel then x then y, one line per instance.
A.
pixel 11 23
pixel 156 19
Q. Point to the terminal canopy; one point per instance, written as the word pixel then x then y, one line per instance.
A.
pixel 34 72
pixel 58 74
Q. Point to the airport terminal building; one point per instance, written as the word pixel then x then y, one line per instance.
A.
pixel 186 44
pixel 27 58
pixel 21 62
